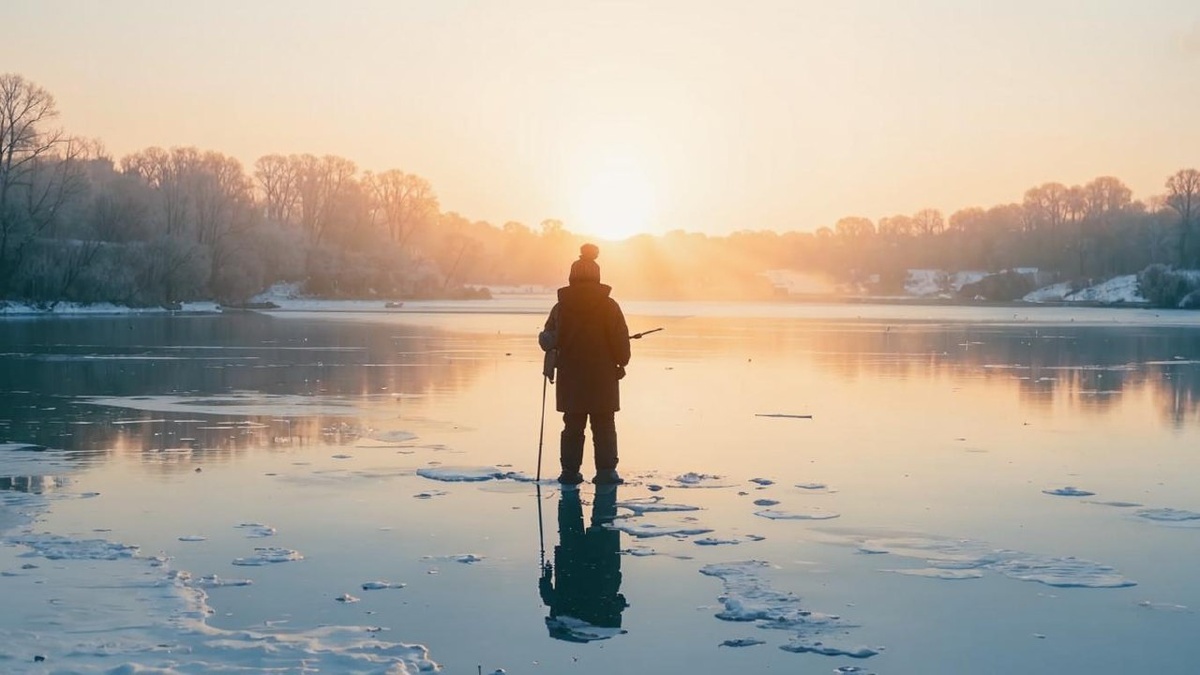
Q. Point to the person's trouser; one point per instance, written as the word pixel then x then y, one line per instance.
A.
pixel 604 439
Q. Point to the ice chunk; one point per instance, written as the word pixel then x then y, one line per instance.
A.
pixel 57 547
pixel 257 530
pixel 381 585
pixel 647 531
pixel 742 642
pixel 268 555
pixel 1168 515
pixel 653 504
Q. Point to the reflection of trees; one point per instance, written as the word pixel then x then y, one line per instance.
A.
pixel 46 366
pixel 1093 367
pixel 32 484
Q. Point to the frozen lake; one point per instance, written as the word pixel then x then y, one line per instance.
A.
pixel 338 489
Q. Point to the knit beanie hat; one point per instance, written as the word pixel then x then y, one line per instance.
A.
pixel 586 269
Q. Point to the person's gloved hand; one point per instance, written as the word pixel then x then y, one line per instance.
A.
pixel 620 372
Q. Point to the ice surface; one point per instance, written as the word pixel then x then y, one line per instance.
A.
pixel 58 547
pixel 392 436
pixel 381 585
pixel 939 573
pixel 448 474
pixel 241 404
pixel 430 494
pixel 257 530
pixel 465 558
pixel 743 642
pixel 1069 491
pixel 170 633
pixel 965 554
pixel 826 649
pixel 267 555
pixel 1164 606
pixel 815 514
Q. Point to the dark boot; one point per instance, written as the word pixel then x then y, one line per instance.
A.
pixel 570 449
pixel 604 437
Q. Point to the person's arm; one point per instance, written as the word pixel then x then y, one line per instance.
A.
pixel 548 338
pixel 618 336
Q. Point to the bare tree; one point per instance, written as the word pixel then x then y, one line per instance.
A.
pixel 403 202
pixel 279 181
pixel 928 222
pixel 323 182
pixel 853 228
pixel 1183 195
pixel 40 170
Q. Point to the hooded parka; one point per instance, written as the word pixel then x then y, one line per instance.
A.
pixel 592 343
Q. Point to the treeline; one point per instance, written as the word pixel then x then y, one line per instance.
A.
pixel 162 226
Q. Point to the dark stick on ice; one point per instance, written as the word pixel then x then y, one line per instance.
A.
pixel 541 430
pixel 638 336
pixel 795 417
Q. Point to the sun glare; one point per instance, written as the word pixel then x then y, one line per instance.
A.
pixel 617 201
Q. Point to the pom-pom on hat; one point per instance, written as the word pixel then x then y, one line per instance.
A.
pixel 586 269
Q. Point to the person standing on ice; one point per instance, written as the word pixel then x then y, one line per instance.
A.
pixel 587 334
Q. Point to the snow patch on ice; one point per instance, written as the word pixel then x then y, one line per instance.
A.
pixel 213 581
pixel 777 514
pixel 1169 515
pixel 448 474
pixel 697 480
pixel 653 504
pixel 465 558
pixel 578 630
pixel 965 554
pixel 58 547
pixel 267 555
pixel 746 596
pixel 381 585
pixel 939 573
pixel 649 530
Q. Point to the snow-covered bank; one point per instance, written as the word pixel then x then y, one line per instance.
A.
pixel 102 309
pixel 1115 291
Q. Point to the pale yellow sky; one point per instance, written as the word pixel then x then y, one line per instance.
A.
pixel 708 116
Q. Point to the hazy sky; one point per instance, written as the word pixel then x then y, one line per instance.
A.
pixel 710 116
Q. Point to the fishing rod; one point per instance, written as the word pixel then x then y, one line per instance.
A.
pixel 639 336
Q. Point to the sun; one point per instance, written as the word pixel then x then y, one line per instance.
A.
pixel 616 201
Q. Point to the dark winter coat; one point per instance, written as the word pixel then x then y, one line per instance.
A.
pixel 587 328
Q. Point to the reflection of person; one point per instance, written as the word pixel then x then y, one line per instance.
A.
pixel 586 330
pixel 583 586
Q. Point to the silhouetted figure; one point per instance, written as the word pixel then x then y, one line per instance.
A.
pixel 583 586
pixel 586 330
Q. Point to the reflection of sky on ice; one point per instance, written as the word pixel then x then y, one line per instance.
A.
pixel 364 467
